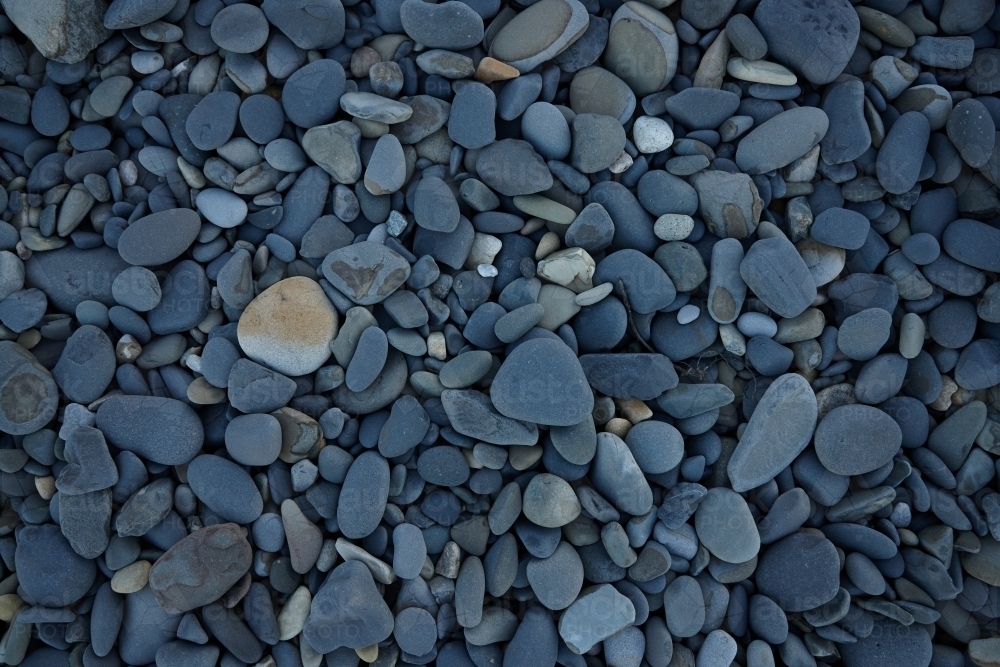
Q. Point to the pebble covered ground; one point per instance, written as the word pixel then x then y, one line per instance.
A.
pixel 661 333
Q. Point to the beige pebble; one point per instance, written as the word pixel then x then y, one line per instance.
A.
pixel 522 458
pixel 289 327
pixel 131 578
pixel 943 401
pixel 190 173
pixel 908 537
pixel 491 69
pixel 310 657
pixel 436 347
pixel 29 338
pixel 962 397
pixel 532 226
pixel 293 615
pixel 760 71
pixel 484 248
pixel 369 653
pixel 618 426
pixel 9 604
pixel 634 410
pixel 548 244
pixel 732 339
pixel 200 392
pixel 46 487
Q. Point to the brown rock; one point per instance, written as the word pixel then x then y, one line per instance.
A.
pixel 289 327
pixel 199 569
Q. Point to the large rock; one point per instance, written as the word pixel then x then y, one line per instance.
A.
pixel 780 428
pixel 28 394
pixel 289 327
pixel 62 30
pixel 541 381
pixel 817 39
pixel 200 568
pixel 347 611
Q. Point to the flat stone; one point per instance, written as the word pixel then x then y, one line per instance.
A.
pixel 595 616
pixel 725 526
pixel 163 430
pixel 159 238
pixel 800 572
pixel 816 41
pixel 856 439
pixel 640 34
pixel 780 428
pixel 550 502
pixel 448 25
pixel 226 488
pixel 728 203
pixel 347 611
pixel 366 272
pixel 791 293
pixel 28 395
pixel 539 33
pixel 781 140
pixel 307 23
pixel 200 568
pixel 64 32
pixel 512 167
pixel 541 381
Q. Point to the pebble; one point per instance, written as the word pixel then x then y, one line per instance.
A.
pixel 856 439
pixel 638 34
pixel 225 487
pixel 820 54
pixel 159 238
pixel 347 611
pixel 289 327
pixel 779 429
pixel 200 568
pixel 524 48
pixel 595 616
pixel 163 430
pixel 366 272
pixel 556 394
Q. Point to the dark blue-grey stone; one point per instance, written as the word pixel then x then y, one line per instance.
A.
pixel 226 488
pixel 816 40
pixel 86 365
pixel 542 381
pixel 363 496
pixel 902 153
pixel 301 96
pixel 162 430
pixel 52 574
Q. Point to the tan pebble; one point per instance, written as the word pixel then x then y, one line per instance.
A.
pixel 547 245
pixel 962 397
pixel 200 392
pixel 9 604
pixel 908 537
pixel 266 661
pixel 943 401
pixel 368 653
pixel 491 69
pixel 289 327
pixel 29 339
pixel 131 578
pixel 484 248
pixel 618 426
pixel 46 487
pixel 634 410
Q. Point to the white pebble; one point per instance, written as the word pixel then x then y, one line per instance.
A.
pixel 396 224
pixel 621 163
pixel 652 135
pixel 487 270
pixel 688 314
pixel 673 227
